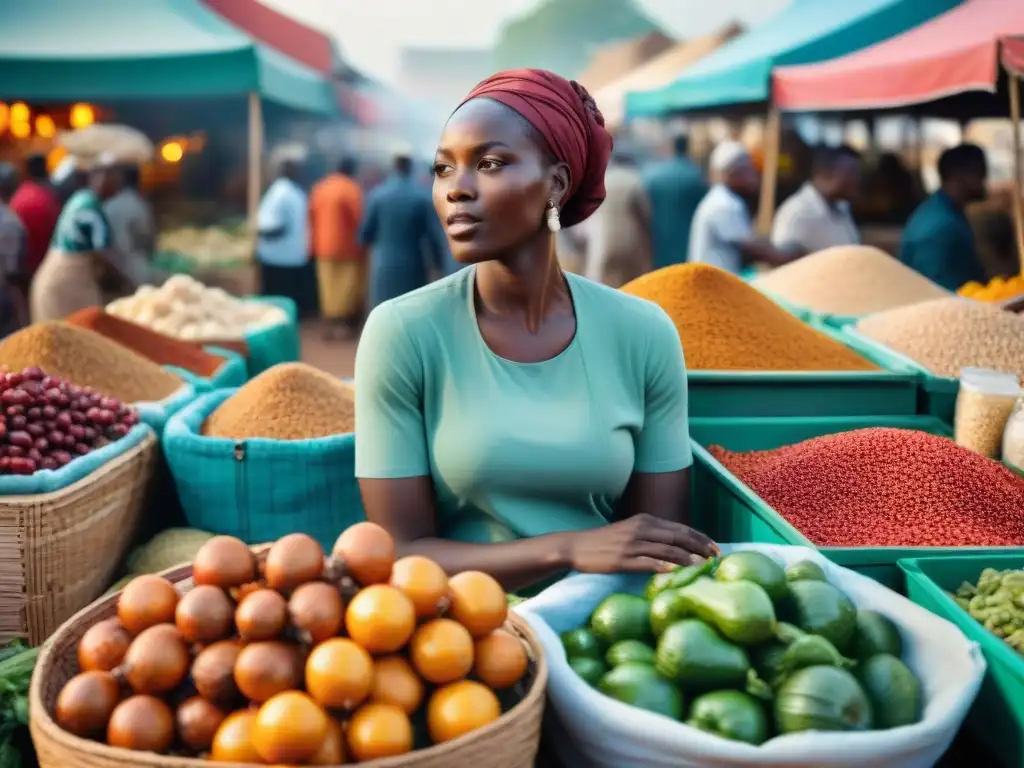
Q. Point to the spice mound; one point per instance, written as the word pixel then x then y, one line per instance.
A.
pixel 161 349
pixel 946 335
pixel 849 280
pixel 291 401
pixel 725 325
pixel 884 487
pixel 88 359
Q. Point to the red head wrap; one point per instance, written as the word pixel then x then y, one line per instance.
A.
pixel 566 116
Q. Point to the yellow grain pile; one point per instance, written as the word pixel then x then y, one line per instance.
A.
pixel 88 359
pixel 726 325
pixel 291 401
pixel 849 280
pixel 945 335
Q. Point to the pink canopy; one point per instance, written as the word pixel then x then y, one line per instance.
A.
pixel 953 53
pixel 1013 54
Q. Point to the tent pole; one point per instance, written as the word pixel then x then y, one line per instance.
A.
pixel 1018 174
pixel 255 157
pixel 770 172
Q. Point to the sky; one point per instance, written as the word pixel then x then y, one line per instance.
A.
pixel 372 32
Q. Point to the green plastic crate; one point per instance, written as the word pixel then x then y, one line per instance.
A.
pixel 729 511
pixel 937 393
pixel 891 391
pixel 997 717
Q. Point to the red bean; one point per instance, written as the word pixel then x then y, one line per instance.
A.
pixel 886 488
pixel 35 413
pixel 35 429
pixel 81 449
pixel 41 444
pixel 20 438
pixel 17 422
pixel 62 457
pixel 63 419
pixel 49 412
pixel 77 431
pixel 15 451
pixel 33 373
pixel 49 462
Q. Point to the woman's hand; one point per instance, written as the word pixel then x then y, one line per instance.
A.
pixel 641 543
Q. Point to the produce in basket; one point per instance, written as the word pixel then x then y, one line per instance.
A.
pixel 88 359
pixel 747 685
pixel 289 401
pixel 265 663
pixel 186 309
pixel 997 602
pixel 47 422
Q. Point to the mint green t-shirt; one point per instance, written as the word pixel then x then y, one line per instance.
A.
pixel 519 449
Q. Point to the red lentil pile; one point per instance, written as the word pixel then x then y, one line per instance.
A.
pixel 885 487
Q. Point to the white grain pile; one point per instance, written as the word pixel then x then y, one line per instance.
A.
pixel 848 280
pixel 946 335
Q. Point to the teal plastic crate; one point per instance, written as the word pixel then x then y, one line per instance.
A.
pixel 937 393
pixel 894 390
pixel 730 511
pixel 997 718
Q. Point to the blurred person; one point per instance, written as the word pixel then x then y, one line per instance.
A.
pixel 938 241
pixel 335 213
pixel 817 216
pixel 37 205
pixel 132 228
pixel 403 233
pixel 282 240
pixel 67 178
pixel 675 187
pixel 723 232
pixel 67 280
pixel 618 247
pixel 13 249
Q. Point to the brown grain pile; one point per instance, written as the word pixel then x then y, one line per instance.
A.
pixel 848 280
pixel 291 401
pixel 88 359
pixel 946 335
pixel 726 325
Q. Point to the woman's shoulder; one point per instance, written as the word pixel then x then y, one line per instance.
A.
pixel 437 300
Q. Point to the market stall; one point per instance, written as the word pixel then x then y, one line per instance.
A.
pixel 175 49
pixel 738 75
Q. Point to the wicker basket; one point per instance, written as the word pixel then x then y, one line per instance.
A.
pixel 510 742
pixel 60 550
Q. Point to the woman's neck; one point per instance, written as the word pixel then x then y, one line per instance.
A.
pixel 526 286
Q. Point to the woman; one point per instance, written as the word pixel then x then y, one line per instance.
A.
pixel 66 280
pixel 513 418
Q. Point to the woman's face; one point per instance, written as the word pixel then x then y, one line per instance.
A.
pixel 492 182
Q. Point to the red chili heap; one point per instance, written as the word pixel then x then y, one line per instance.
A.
pixel 886 488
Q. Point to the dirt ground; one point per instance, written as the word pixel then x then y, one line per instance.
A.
pixel 335 357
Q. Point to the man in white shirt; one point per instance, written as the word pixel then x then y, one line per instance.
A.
pixel 818 216
pixel 282 246
pixel 132 229
pixel 722 233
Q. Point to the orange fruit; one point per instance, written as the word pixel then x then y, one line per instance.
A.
pixel 379 730
pixel 424 582
pixel 459 708
pixel 396 682
pixel 332 750
pixel 478 602
pixel 233 741
pixel 380 618
pixel 500 660
pixel 442 651
pixel 339 674
pixel 290 728
pixel 368 552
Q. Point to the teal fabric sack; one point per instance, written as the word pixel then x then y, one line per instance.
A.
pixel 156 413
pixel 233 372
pixel 50 480
pixel 273 344
pixel 260 490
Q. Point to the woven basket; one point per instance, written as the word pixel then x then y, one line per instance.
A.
pixel 510 742
pixel 60 550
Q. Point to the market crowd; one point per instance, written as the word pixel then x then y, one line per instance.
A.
pixel 338 250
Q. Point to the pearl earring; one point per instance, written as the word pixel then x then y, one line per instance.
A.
pixel 554 223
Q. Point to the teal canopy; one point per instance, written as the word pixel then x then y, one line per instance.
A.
pixel 55 50
pixel 806 31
